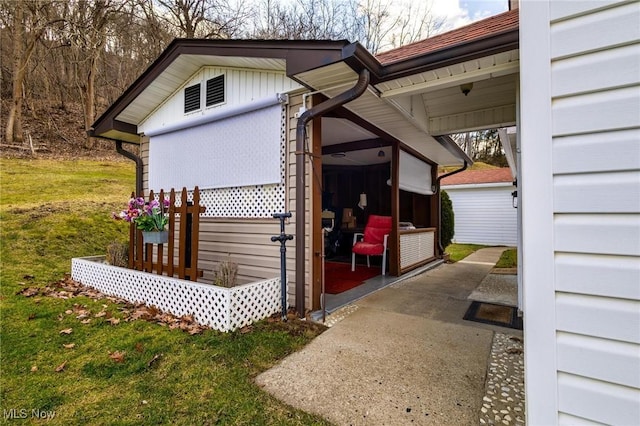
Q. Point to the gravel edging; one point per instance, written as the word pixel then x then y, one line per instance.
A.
pixel 504 403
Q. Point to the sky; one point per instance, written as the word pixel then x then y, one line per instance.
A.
pixel 463 12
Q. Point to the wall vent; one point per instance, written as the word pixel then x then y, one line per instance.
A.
pixel 192 98
pixel 215 90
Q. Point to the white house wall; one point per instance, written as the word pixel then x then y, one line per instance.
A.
pixel 242 86
pixel 246 241
pixel 484 214
pixel 581 183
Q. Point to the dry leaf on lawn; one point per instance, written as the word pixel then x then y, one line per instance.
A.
pixel 34 368
pixel 86 321
pixel 61 367
pixel 29 291
pixel 113 320
pixel 117 356
pixel 154 359
pixel 69 345
pixel 66 331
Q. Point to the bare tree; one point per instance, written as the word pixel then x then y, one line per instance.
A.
pixel 30 21
pixel 415 22
pixel 204 18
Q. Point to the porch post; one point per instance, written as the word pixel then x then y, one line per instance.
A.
pixel 301 132
pixel 394 250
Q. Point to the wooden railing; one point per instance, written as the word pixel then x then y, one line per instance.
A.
pixel 141 255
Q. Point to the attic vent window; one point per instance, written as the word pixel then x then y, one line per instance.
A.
pixel 192 98
pixel 215 90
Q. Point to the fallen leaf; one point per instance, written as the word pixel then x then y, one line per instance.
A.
pixel 139 347
pixel 61 367
pixel 68 312
pixel 117 356
pixel 29 291
pixel 69 345
pixel 34 368
pixel 66 331
pixel 86 321
pixel 154 359
pixel 100 314
pixel 113 320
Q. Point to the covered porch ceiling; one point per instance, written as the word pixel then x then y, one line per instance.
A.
pixel 413 109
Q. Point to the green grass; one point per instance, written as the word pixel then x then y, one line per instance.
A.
pixel 458 252
pixel 509 259
pixel 51 211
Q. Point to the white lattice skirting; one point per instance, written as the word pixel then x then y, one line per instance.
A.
pixel 223 309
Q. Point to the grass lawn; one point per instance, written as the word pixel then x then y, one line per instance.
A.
pixel 103 371
pixel 509 259
pixel 458 252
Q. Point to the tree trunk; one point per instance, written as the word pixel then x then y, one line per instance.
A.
pixel 14 120
pixel 90 98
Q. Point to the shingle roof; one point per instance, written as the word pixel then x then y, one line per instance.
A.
pixel 493 25
pixel 479 176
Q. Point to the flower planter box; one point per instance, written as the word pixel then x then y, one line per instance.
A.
pixel 223 309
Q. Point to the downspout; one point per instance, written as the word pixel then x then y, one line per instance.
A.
pixel 301 130
pixel 139 165
pixel 130 155
pixel 438 179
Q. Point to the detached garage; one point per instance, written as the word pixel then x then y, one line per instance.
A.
pixel 483 206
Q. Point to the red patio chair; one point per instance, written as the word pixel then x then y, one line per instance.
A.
pixel 373 242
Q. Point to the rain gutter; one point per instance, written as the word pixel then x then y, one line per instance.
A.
pixel 301 130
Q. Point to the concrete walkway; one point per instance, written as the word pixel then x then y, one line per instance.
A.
pixel 402 355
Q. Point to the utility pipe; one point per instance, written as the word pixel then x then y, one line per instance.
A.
pixel 438 179
pixel 301 130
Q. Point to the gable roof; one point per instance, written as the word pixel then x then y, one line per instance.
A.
pixel 317 64
pixel 471 177
pixel 183 57
pixel 489 27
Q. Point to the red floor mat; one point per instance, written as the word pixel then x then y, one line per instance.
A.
pixel 338 276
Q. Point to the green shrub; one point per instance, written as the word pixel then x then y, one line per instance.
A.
pixel 446 219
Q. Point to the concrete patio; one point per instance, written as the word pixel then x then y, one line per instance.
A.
pixel 402 355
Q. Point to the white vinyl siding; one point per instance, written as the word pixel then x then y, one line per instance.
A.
pixel 484 214
pixel 594 136
pixel 247 241
pixel 242 86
